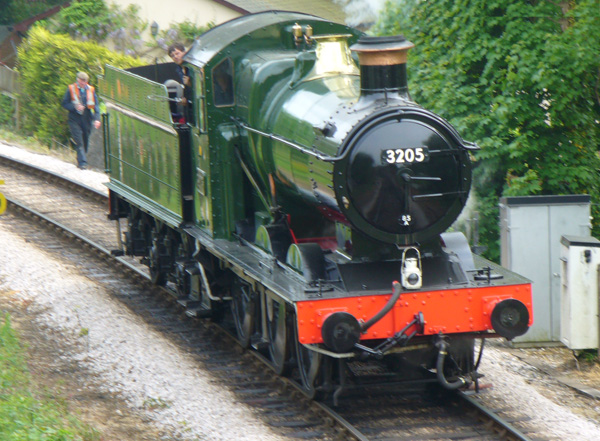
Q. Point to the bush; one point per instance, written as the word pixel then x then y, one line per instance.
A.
pixel 7 110
pixel 47 64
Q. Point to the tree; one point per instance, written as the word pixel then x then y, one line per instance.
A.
pixel 120 28
pixel 94 20
pixel 519 77
pixel 15 11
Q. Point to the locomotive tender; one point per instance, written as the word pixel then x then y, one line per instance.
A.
pixel 306 198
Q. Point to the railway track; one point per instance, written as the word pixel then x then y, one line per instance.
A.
pixel 393 412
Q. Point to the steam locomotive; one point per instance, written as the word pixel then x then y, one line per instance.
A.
pixel 305 198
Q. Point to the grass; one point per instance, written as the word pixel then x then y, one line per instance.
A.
pixel 25 413
pixel 588 355
pixel 34 145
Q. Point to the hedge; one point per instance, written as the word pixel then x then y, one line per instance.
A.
pixel 47 64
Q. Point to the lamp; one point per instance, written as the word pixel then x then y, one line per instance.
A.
pixel 154 29
pixel 411 272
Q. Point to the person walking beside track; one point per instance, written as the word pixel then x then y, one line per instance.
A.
pixel 82 103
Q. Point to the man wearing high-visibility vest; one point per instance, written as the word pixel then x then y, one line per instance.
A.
pixel 82 103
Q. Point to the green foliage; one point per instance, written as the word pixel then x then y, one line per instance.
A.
pixel 7 110
pixel 23 416
pixel 84 17
pixel 15 11
pixel 588 356
pixel 94 20
pixel 47 64
pixel 189 31
pixel 156 403
pixel 519 77
pixel 184 33
pixel 519 185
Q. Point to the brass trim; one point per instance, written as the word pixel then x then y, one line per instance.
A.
pixel 383 57
pixel 333 55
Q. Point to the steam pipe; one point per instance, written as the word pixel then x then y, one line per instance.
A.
pixel 388 306
pixel 460 382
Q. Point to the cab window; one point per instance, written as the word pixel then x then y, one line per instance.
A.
pixel 222 83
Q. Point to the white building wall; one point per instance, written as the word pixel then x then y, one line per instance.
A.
pixel 200 12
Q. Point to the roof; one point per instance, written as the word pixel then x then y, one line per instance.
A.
pixel 219 37
pixel 12 35
pixel 326 9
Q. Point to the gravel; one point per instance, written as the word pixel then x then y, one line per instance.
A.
pixel 522 386
pixel 131 359
pixel 140 364
pixel 88 177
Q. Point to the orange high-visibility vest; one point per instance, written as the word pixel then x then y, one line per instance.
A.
pixel 90 102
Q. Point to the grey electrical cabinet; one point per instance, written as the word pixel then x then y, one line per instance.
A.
pixel 580 259
pixel 531 228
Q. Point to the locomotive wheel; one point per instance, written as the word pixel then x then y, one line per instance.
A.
pixel 275 239
pixel 309 369
pixel 135 242
pixel 278 337
pixel 158 274
pixel 182 277
pixel 243 309
pixel 183 282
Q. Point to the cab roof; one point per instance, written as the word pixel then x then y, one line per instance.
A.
pixel 212 42
pixel 329 9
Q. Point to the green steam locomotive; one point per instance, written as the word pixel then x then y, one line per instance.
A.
pixel 305 199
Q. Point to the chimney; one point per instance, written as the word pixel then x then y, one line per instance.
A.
pixel 383 64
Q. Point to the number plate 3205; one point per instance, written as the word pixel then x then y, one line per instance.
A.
pixel 405 156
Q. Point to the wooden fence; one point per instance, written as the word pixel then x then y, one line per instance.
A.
pixel 11 86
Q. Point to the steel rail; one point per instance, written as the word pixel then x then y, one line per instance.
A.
pixel 512 432
pixel 77 236
pixel 66 182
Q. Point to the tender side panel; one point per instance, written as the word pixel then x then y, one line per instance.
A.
pixel 446 311
pixel 136 93
pixel 143 147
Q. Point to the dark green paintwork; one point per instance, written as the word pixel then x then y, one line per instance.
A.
pixel 142 145
pixel 252 153
pixel 275 92
pixel 265 58
pixel 132 92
